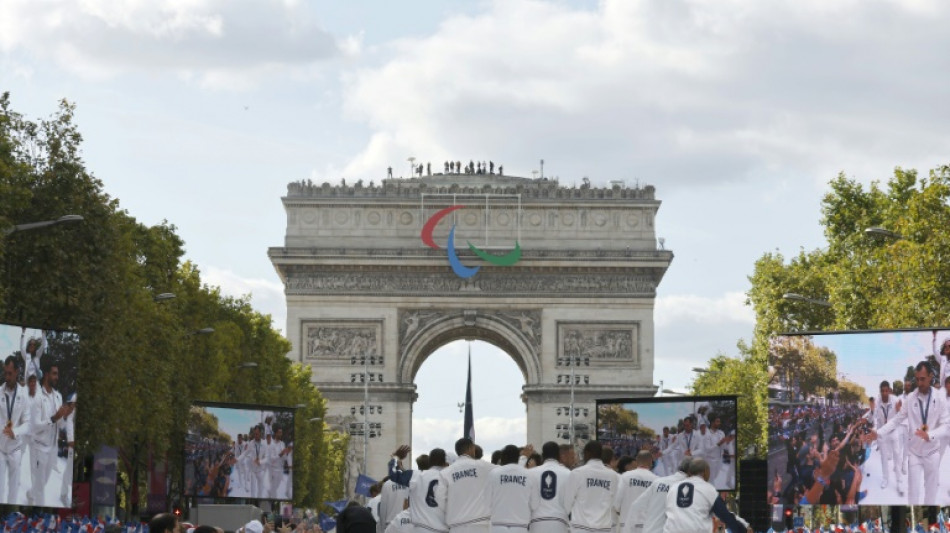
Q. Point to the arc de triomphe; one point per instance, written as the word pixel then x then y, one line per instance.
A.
pixel 367 299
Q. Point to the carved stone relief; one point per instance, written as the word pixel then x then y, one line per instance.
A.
pixel 522 283
pixel 339 340
pixel 600 342
pixel 526 322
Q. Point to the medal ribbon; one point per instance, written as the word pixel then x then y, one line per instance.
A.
pixel 924 412
pixel 885 408
pixel 10 404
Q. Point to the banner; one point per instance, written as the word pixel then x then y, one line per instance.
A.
pixel 103 476
pixel 363 483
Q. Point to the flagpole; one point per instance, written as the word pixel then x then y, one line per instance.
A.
pixel 468 423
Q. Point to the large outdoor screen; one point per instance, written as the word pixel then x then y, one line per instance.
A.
pixel 671 428
pixel 239 451
pixel 859 418
pixel 37 416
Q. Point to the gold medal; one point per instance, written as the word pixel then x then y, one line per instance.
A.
pixel 923 427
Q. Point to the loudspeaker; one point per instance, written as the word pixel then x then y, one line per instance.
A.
pixel 753 493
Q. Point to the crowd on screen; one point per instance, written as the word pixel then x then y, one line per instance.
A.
pixel 258 464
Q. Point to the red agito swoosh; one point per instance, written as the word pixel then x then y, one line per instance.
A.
pixel 430 225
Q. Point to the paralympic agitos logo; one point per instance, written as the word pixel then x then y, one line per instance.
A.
pixel 461 270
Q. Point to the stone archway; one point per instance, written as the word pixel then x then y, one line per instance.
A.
pixel 367 302
pixel 423 331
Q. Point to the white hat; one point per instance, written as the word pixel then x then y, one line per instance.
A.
pixel 254 526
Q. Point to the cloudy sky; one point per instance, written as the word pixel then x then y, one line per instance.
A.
pixel 200 112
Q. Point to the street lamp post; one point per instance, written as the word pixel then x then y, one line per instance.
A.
pixel 882 232
pixel 42 224
pixel 575 360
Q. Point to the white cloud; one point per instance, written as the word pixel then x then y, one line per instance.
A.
pixel 266 296
pixel 678 309
pixel 213 40
pixel 491 433
pixel 687 91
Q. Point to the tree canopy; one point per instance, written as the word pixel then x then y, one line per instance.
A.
pixel 142 362
pixel 891 277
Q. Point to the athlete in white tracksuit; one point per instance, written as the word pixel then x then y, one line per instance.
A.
pixel 275 464
pixel 461 491
pixel 550 477
pixel 424 510
pixel 633 483
pixel 392 498
pixel 69 423
pixel 589 493
pixel 255 457
pixel 511 494
pixel 691 504
pixel 648 512
pixel 47 418
pixel 886 408
pixel 401 523
pixel 927 412
pixel 667 459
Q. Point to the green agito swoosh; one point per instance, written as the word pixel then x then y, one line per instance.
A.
pixel 508 259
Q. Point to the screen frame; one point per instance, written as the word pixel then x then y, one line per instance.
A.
pixel 245 407
pixel 836 332
pixel 676 399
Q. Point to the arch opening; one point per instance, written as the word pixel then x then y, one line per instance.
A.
pixel 498 408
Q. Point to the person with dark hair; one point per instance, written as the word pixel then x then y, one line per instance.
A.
pixel 510 492
pixel 201 529
pixel 609 458
pixel 590 491
pixel 633 483
pixel 928 415
pixel 15 416
pixel 279 451
pixel 164 523
pixel 625 464
pixel 355 519
pixel 496 457
pixel 549 478
pixel 567 456
pixel 255 457
pixel 688 442
pixel 461 491
pixel 883 411
pixel 479 453
pixel 426 514
pixel 716 443
pixel 46 420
